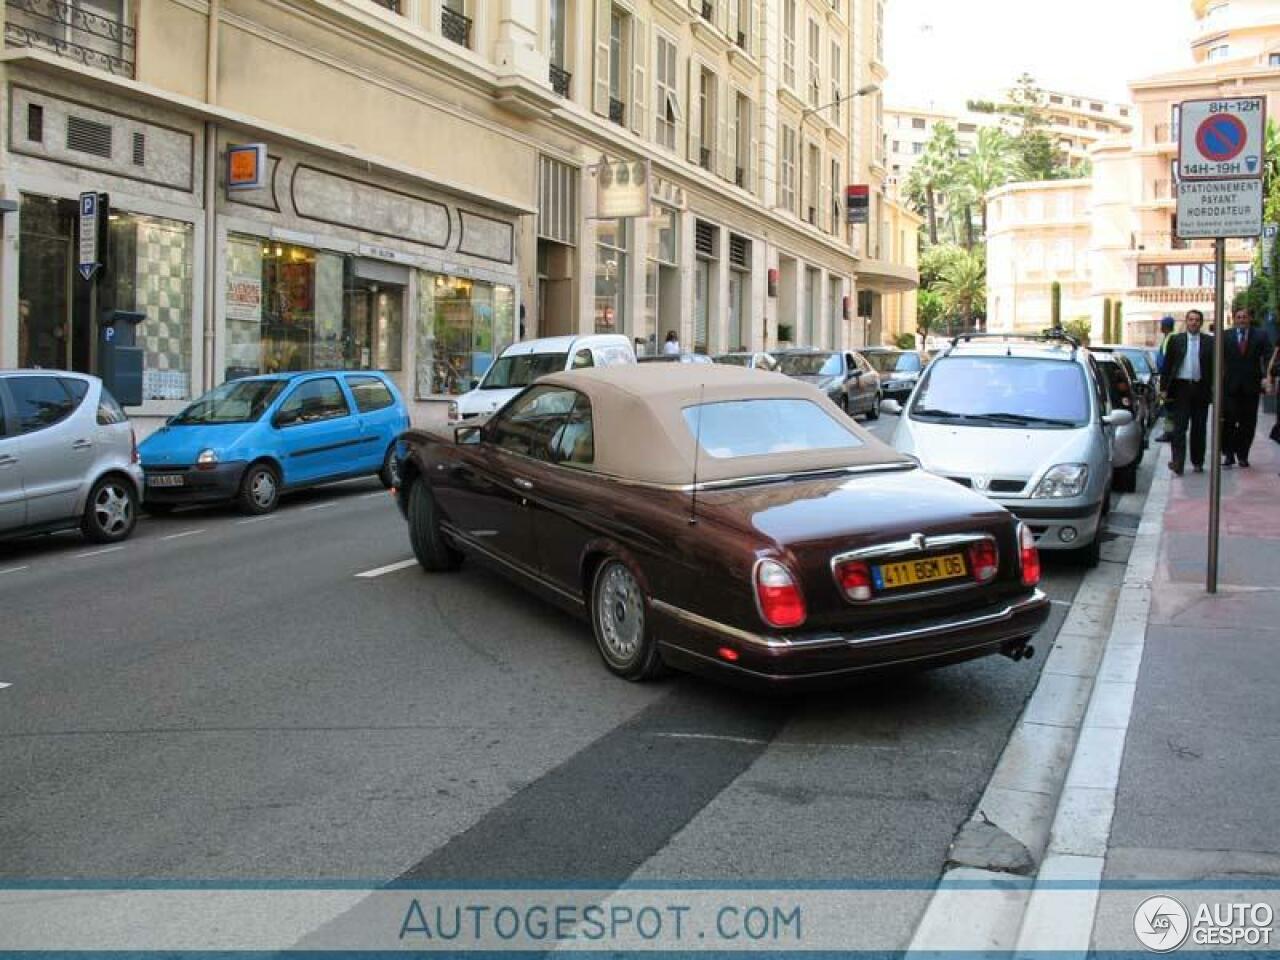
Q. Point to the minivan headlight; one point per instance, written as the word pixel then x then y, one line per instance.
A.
pixel 453 410
pixel 1063 480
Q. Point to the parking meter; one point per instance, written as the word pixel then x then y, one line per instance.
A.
pixel 119 357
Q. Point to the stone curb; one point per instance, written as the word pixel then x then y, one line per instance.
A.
pixel 1053 790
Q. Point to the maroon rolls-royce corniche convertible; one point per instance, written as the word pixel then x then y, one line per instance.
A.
pixel 725 521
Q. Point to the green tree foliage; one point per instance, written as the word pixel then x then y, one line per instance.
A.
pixel 1117 324
pixel 933 175
pixel 1079 328
pixel 1055 304
pixel 905 341
pixel 962 287
pixel 992 164
pixel 1106 320
pixel 928 311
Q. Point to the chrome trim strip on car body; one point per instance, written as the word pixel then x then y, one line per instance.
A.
pixel 510 564
pixel 778 644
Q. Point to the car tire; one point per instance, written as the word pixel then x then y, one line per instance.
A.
pixel 1125 479
pixel 434 552
pixel 874 412
pixel 620 622
pixel 111 512
pixel 259 489
pixel 390 472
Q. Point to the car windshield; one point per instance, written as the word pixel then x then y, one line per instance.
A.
pixel 522 369
pixel 894 362
pixel 735 359
pixel 1139 360
pixel 240 401
pixel 749 428
pixel 809 364
pixel 1013 391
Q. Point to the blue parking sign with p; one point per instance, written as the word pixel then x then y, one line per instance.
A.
pixel 88 204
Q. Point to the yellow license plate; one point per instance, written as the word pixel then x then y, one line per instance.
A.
pixel 890 576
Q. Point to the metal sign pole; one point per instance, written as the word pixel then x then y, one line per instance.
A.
pixel 1215 452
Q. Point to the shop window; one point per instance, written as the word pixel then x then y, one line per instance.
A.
pixel 289 307
pixel 148 268
pixel 463 325
pixel 611 276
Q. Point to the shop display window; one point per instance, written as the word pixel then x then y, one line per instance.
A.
pixel 463 325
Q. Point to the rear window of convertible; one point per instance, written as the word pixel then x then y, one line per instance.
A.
pixel 749 428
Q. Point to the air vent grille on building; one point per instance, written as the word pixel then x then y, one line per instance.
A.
pixel 89 136
pixel 704 238
pixel 139 149
pixel 739 251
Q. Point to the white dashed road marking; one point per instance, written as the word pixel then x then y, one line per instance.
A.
pixel 708 736
pixel 184 533
pixel 321 506
pixel 4 685
pixel 270 516
pixel 97 553
pixel 14 569
pixel 389 568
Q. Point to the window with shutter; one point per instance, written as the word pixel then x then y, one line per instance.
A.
pixel 789 43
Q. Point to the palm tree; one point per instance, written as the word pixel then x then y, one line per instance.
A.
pixel 933 175
pixel 991 165
pixel 962 285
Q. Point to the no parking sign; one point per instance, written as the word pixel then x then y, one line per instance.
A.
pixel 1221 139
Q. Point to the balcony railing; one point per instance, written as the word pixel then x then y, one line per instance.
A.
pixel 708 10
pixel 392 5
pixel 704 158
pixel 740 176
pixel 88 38
pixel 559 80
pixel 1174 294
pixel 455 26
pixel 617 112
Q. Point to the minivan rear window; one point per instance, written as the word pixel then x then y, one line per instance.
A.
pixel 1003 391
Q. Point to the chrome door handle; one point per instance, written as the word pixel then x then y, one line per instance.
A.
pixel 522 483
pixel 82 445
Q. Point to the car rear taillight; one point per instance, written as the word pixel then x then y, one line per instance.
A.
pixel 133 444
pixel 1030 556
pixel 984 560
pixel 778 595
pixel 855 580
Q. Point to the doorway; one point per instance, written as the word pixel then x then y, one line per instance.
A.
pixel 46 332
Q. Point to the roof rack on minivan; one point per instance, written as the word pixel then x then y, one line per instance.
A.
pixel 1054 334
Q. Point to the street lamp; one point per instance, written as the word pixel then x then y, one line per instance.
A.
pixel 810 111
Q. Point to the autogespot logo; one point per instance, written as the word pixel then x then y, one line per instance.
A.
pixel 1161 924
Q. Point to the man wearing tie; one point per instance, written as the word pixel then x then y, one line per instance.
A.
pixel 1244 371
pixel 1187 380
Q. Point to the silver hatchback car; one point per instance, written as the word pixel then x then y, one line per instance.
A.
pixel 1026 421
pixel 68 457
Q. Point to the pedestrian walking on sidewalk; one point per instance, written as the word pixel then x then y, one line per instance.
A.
pixel 1166 413
pixel 1244 374
pixel 1187 380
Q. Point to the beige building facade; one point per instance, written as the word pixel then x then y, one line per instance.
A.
pixel 431 181
pixel 1128 208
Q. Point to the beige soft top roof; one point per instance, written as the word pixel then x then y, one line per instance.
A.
pixel 640 432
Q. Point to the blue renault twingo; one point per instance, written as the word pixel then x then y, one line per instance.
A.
pixel 248 440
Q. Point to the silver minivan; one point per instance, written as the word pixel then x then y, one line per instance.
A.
pixel 68 457
pixel 1026 421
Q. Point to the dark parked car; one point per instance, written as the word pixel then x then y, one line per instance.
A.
pixel 1142 367
pixel 725 521
pixel 847 379
pixel 899 370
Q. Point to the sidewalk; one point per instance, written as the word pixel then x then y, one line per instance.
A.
pixel 1200 777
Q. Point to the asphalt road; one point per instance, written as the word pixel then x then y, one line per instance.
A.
pixel 284 698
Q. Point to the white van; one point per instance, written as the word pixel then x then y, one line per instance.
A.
pixel 524 362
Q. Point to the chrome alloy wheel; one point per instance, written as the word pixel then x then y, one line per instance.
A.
pixel 620 613
pixel 113 508
pixel 263 489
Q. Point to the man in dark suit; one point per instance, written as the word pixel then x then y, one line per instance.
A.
pixel 1244 370
pixel 1187 380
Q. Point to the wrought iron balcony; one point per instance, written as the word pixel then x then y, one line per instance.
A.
pixel 455 26
pixel 704 158
pixel 617 112
pixel 708 11
pixel 89 38
pixel 560 80
pixel 392 5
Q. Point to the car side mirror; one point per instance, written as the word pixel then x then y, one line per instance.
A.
pixel 1118 418
pixel 468 435
pixel 475 382
pixel 890 406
